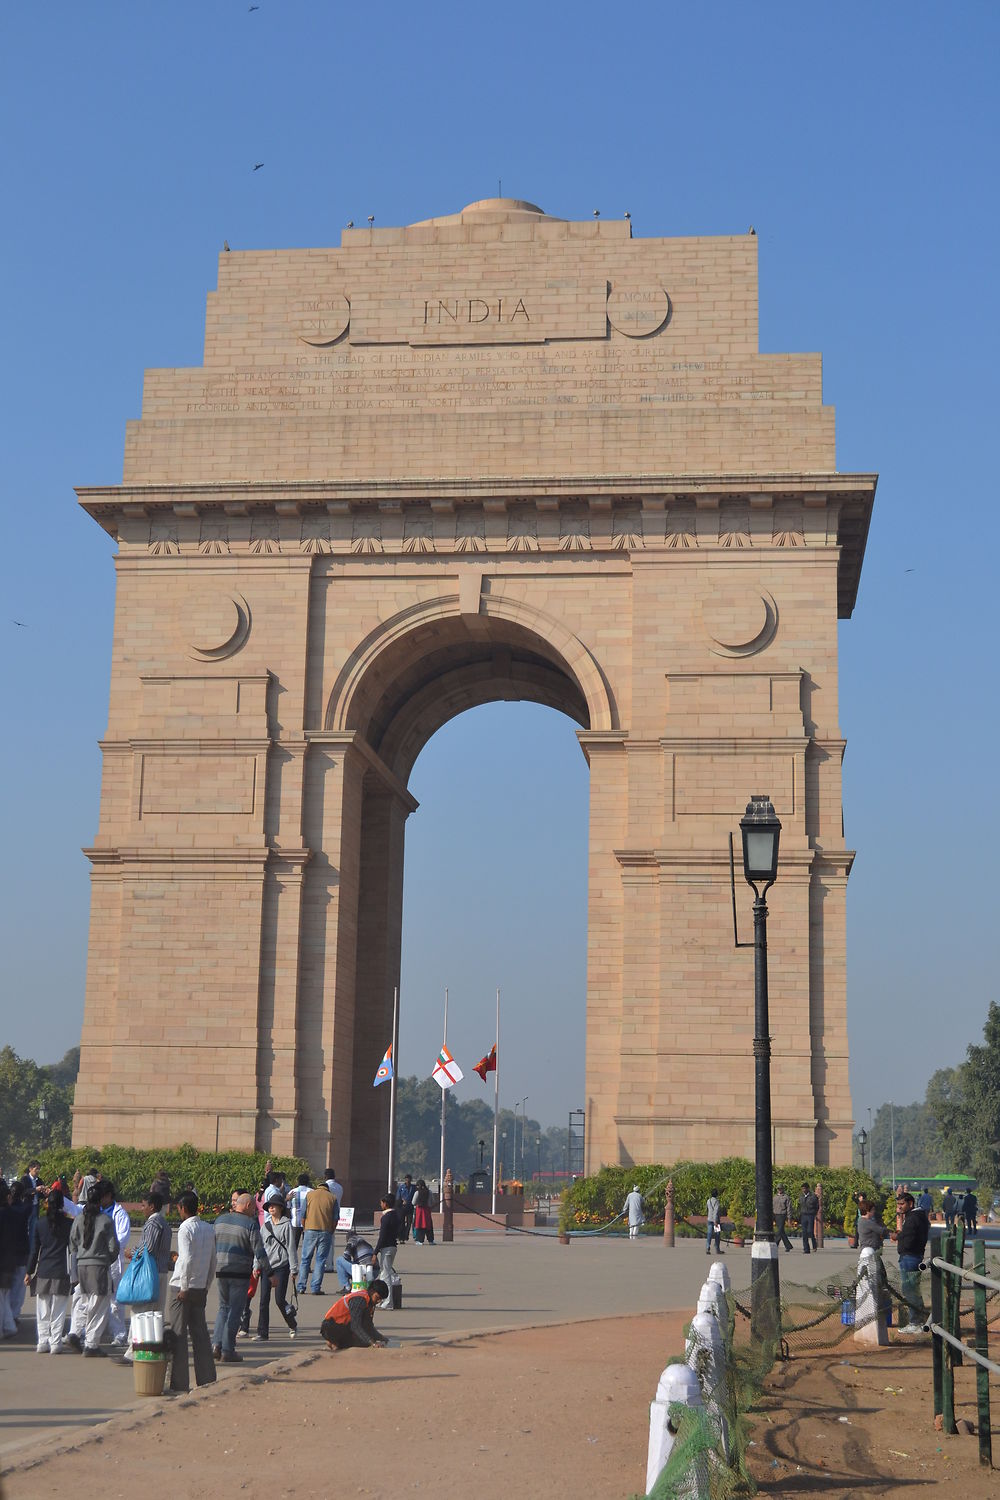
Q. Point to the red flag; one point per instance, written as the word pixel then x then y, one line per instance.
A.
pixel 487 1064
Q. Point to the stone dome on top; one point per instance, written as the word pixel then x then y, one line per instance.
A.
pixel 489 210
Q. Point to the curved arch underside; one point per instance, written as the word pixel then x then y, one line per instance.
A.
pixel 442 667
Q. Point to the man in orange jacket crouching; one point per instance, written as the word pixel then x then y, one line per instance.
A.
pixel 349 1325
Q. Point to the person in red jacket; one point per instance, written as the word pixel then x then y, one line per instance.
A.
pixel 349 1323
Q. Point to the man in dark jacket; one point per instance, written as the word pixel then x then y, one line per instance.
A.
pixel 949 1204
pixel 808 1209
pixel 237 1246
pixel 911 1242
pixel 782 1209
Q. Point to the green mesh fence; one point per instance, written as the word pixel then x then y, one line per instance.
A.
pixel 815 1316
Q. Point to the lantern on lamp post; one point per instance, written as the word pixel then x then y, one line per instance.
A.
pixel 761 830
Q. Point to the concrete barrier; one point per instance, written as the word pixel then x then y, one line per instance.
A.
pixel 678 1386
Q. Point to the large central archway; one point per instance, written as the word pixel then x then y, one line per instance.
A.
pixel 408 678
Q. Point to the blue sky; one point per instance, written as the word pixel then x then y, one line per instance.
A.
pixel 860 141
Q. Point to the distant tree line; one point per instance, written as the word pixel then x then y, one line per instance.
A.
pixel 36 1103
pixel 955 1128
pixel 469 1121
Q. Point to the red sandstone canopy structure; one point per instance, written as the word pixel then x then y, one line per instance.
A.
pixel 495 455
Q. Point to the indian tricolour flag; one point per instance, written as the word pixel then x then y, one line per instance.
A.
pixel 446 1070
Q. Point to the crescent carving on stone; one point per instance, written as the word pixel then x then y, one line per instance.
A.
pixel 222 624
pixel 741 627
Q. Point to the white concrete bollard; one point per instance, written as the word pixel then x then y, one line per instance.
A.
pixel 718 1272
pixel 678 1385
pixel 869 1314
pixel 712 1299
pixel 706 1354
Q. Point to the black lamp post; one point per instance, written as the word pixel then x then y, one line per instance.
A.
pixel 862 1143
pixel 761 829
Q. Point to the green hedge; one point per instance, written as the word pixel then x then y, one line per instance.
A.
pixel 597 1199
pixel 214 1175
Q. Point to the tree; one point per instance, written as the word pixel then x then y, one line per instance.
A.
pixel 967 1107
pixel 26 1091
pixel 418 1135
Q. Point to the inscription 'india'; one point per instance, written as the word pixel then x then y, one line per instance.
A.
pixel 472 310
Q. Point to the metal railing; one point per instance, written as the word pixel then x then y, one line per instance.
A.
pixel 947 1276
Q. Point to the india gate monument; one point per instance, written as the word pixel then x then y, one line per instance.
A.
pixel 495 455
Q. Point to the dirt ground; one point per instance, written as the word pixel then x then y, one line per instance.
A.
pixel 553 1412
pixel 845 1423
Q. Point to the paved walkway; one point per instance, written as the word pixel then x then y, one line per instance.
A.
pixel 481 1283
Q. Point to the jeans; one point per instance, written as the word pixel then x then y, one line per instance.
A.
pixel 232 1296
pixel 318 1242
pixel 809 1232
pixel 714 1231
pixel 387 1273
pixel 909 1275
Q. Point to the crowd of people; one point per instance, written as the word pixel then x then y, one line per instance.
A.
pixel 70 1244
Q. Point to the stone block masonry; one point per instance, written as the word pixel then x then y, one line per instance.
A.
pixel 492 456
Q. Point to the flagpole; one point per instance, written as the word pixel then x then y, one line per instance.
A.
pixel 392 1087
pixel 444 1100
pixel 496 1102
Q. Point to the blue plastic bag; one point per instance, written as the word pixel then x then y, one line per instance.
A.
pixel 141 1281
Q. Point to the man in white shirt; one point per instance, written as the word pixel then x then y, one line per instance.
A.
pixel 119 1316
pixel 194 1273
pixel 297 1206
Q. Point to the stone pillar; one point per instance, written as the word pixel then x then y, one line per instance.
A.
pixel 605 916
pixel 448 1208
pixel 668 1216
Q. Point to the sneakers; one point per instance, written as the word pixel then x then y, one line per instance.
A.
pixel 42 1348
pixel 74 1341
pixel 216 1352
pixel 55 1348
pixel 912 1328
pixel 232 1359
pixel 94 1353
pixel 292 1332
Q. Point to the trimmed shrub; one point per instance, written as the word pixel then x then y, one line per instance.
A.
pixel 214 1175
pixel 594 1200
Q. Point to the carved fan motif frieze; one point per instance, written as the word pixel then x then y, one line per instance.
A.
pixel 470 529
pixel 163 539
pixel 264 536
pixel 418 529
pixel 315 535
pixel 681 526
pixel 787 528
pixel 574 529
pixel 366 535
pixel 522 529
pixel 626 532
pixel 214 537
pixel 734 524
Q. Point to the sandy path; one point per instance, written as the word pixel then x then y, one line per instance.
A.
pixel 554 1411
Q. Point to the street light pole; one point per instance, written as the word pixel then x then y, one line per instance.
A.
pixel 862 1143
pixel 761 829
